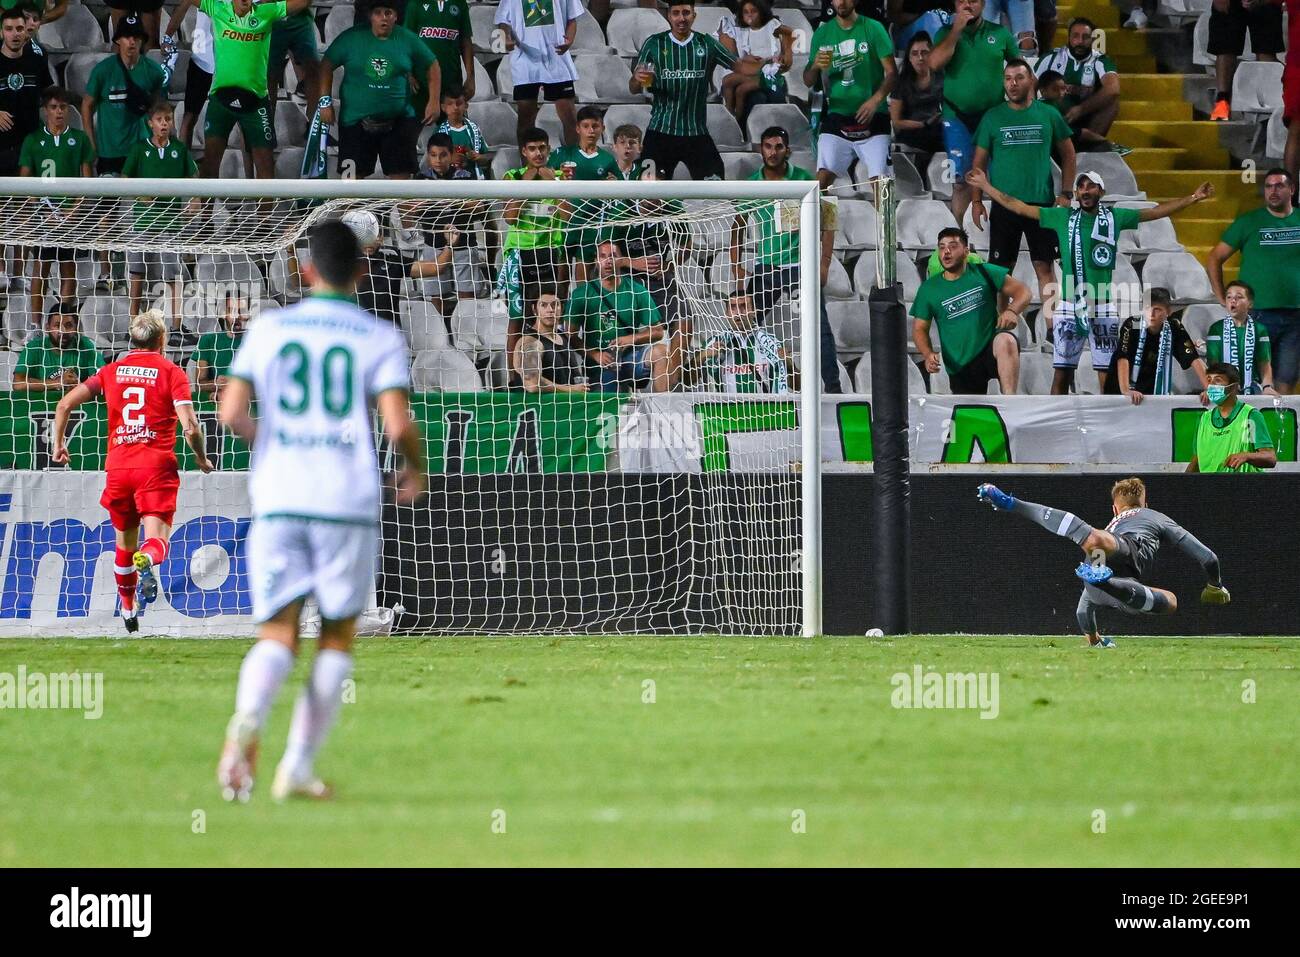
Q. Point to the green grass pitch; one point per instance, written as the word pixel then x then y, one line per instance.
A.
pixel 742 735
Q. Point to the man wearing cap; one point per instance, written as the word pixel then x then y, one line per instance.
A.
pixel 119 93
pixel 1088 234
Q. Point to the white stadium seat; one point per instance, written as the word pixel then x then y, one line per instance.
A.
pixel 979 238
pixel 603 78
pixel 857 225
pixel 837 282
pixel 786 115
pixel 482 23
pixel 77 29
pixel 740 165
pixel 483 89
pixel 862 376
pixel 1198 317
pixel 1275 138
pixel 340 18
pixel 445 370
pixel 8 363
pixel 1181 273
pixel 724 129
pixel 707 19
pixel 497 121
pixel 1158 236
pixel 1120 181
pixel 590 38
pixel 288 162
pixel 290 125
pixel 105 319
pixel 425 327
pixel 851 325
pixel 627 30
pixel 1257 88
pixel 478 326
pixel 864 274
pixel 549 120
pixel 637 114
pixel 76 74
pixel 919 222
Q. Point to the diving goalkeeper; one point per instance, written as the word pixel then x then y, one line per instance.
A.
pixel 1120 555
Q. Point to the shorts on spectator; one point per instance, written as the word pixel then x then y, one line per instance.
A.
pixel 198 83
pixel 1283 327
pixel 110 165
pixel 668 297
pixel 1019 13
pixel 835 153
pixel 531 92
pixel 464 276
pixel 394 147
pixel 664 152
pixel 959 141
pixel 1228 30
pixel 1290 93
pixel 1005 231
pixel 9 162
pixel 154 264
pixel 293 37
pixel 632 367
pixel 293 558
pixel 524 273
pixel 51 254
pixel 255 123
pixel 1103 336
pixel 769 283
pixel 973 378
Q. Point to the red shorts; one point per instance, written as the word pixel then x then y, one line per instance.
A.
pixel 1290 93
pixel 130 494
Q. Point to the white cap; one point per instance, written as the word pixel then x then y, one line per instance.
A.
pixel 364 225
pixel 1091 174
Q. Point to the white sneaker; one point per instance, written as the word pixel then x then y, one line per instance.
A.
pixel 288 784
pixel 238 760
pixel 1137 20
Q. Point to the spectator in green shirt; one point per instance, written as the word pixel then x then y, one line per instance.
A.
pixel 60 358
pixel 622 328
pixel 216 350
pixel 1232 436
pixel 55 150
pixel 1239 340
pixel 381 62
pixel 1269 242
pixel 119 93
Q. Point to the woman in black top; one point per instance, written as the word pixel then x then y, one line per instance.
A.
pixel 544 359
pixel 915 104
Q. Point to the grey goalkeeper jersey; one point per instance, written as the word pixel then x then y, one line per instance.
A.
pixel 1141 532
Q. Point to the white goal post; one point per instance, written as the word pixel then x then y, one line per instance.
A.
pixel 661 541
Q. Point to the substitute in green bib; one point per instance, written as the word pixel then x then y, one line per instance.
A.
pixel 60 357
pixel 1088 237
pixel 381 63
pixel 977 309
pixel 970 53
pixel 444 27
pixel 159 221
pixel 1269 242
pixel 1232 436
pixel 852 59
pixel 241 44
pixel 119 93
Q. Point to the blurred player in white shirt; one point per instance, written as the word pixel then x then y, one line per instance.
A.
pixel 317 370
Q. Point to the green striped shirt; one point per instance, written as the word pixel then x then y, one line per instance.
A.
pixel 681 83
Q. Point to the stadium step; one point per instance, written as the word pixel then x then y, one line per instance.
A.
pixel 1200 136
pixel 1131 109
pixel 1165 88
pixel 1146 158
pixel 1180 182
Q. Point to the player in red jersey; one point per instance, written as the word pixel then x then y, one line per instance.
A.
pixel 147 394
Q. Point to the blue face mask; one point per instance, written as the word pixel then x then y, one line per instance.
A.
pixel 1217 393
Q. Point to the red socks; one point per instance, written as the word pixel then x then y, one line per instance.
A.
pixel 124 572
pixel 156 549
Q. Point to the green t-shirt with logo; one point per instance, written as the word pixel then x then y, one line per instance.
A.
pixel 1098 256
pixel 377 72
pixel 148 161
pixel 1214 350
pixel 681 83
pixel 1020 143
pixel 442 25
pixel 597 166
pixel 539 223
pixel 778 236
pixel 1270 254
pixel 218 350
pixel 1244 430
pixel 966 309
pixel 117 129
pixel 972 80
pixel 855 73
pixel 604 315
pixel 40 360
pixel 48 154
pixel 242 45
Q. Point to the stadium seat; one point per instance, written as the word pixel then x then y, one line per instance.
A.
pixel 76 74
pixel 979 238
pixel 1024 271
pixel 288 163
pixel 198 127
pixel 864 274
pixel 77 29
pixel 837 282
pixel 724 129
pixel 341 17
pixel 232 165
pixel 851 325
pixel 478 326
pixel 1182 11
pixel 482 23
pixel 8 363
pixel 445 370
pixel 229 268
pixel 939 384
pixel 603 78
pixel 504 159
pixel 483 88
pixel 1197 319
pixel 919 222
pixel 497 121
pixel 425 328
pixel 785 115
pixel 290 125
pixel 1181 273
pixel 1257 88
pixel 862 376
pixel 783 322
pixel 907 177
pixel 627 30
pixel 1085 376
pixel 105 319
pixel 707 19
pixel 549 120
pixel 1275 136
pixel 857 225
pixel 936 174
pixel 637 114
pixel 1184 381
pixel 740 165
pixel 1120 182
pixel 506 81
pixel 804 159
pixel 846 383
pixel 797 21
pixel 1035 373
pixel 590 37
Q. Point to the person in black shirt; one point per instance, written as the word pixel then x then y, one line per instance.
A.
pixel 916 102
pixel 1148 347
pixel 24 73
pixel 544 357
pixel 380 289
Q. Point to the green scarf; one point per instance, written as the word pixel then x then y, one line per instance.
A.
pixel 1246 365
pixel 1103 257
pixel 1164 353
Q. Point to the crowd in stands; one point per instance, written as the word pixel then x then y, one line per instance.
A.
pixel 1000 141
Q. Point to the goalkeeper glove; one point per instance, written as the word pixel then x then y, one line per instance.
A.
pixel 1215 595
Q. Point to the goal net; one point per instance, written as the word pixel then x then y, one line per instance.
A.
pixel 610 380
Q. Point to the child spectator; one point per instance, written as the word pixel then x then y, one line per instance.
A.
pixel 469 150
pixel 1240 341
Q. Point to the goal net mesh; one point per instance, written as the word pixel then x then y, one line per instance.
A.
pixel 659 491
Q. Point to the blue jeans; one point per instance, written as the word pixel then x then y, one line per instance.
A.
pixel 931 22
pixel 1020 13
pixel 1283 327
pixel 631 367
